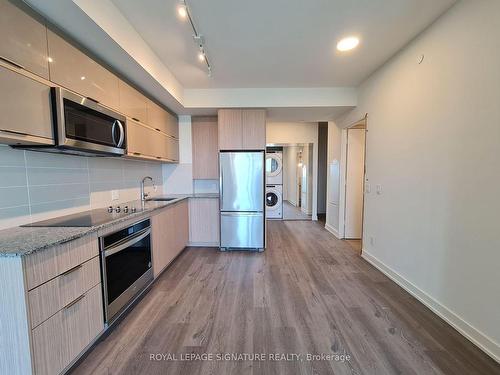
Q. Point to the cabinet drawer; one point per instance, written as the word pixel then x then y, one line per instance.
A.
pixel 60 339
pixel 49 263
pixel 71 68
pixel 49 298
pixel 25 105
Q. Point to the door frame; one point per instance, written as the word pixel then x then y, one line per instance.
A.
pixel 360 124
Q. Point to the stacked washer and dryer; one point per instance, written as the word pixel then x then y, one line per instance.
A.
pixel 274 184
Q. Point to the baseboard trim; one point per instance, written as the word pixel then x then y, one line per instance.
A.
pixel 483 342
pixel 332 230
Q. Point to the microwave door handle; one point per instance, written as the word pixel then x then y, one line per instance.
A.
pixel 113 133
pixel 122 133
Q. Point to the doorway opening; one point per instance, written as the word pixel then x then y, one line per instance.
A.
pixel 289 181
pixel 354 178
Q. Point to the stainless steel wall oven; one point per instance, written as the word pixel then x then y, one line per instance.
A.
pixel 126 266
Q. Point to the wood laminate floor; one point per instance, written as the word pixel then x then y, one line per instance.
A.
pixel 291 212
pixel 308 293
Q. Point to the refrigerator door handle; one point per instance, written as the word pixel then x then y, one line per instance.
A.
pixel 221 185
pixel 249 214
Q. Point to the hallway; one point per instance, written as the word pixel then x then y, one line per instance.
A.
pixel 307 293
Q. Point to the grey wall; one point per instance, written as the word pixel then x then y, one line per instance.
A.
pixel 36 186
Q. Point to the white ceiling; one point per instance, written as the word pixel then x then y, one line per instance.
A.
pixel 279 43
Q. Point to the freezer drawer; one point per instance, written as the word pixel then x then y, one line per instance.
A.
pixel 242 230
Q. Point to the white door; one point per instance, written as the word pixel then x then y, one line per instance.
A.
pixel 354 183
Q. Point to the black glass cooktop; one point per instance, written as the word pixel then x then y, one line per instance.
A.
pixel 82 219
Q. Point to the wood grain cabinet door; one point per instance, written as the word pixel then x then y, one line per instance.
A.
pixel 204 132
pixel 181 225
pixel 230 129
pixel 25 105
pixel 254 129
pixel 204 221
pixel 162 120
pixel 73 69
pixel 132 103
pixel 162 239
pixel 23 38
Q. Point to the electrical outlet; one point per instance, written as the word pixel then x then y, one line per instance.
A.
pixel 379 189
pixel 115 195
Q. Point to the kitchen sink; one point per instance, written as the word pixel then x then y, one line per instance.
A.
pixel 160 199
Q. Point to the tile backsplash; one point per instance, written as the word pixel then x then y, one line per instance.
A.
pixel 36 186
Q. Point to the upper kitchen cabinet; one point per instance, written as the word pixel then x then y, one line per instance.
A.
pixel 132 103
pixel 230 129
pixel 242 129
pixel 205 148
pixel 146 143
pixel 23 39
pixel 72 69
pixel 162 120
pixel 25 105
pixel 254 129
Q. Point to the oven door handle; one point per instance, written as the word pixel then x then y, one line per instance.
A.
pixel 129 242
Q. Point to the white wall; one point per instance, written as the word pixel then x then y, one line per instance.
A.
pixel 433 143
pixel 178 178
pixel 333 181
pixel 294 133
pixel 290 173
pixel 36 186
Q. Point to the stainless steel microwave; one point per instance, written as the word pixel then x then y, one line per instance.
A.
pixel 82 126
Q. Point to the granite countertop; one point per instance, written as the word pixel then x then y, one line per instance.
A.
pixel 21 241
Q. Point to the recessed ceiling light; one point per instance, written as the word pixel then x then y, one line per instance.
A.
pixel 182 11
pixel 348 43
pixel 201 56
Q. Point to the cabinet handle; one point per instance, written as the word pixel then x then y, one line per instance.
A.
pixel 136 119
pixel 71 270
pixel 137 153
pixel 158 130
pixel 159 157
pixel 76 300
pixel 13 132
pixel 8 61
pixel 95 101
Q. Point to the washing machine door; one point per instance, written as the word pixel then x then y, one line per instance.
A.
pixel 273 199
pixel 273 165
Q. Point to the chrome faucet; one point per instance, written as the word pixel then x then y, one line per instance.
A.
pixel 144 195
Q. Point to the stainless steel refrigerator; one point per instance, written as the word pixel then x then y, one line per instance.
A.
pixel 242 220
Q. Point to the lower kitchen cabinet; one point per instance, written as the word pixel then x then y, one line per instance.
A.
pixel 61 338
pixel 204 222
pixel 52 307
pixel 170 234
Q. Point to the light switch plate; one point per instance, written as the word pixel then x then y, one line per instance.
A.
pixel 368 188
pixel 379 189
pixel 115 195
